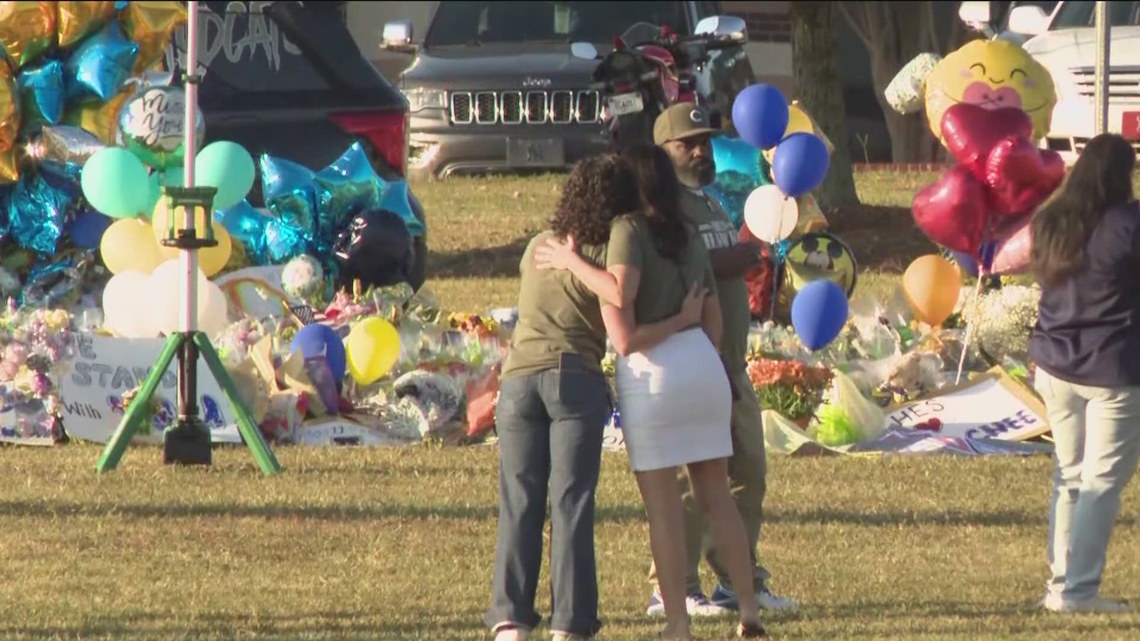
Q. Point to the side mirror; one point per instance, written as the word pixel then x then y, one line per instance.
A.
pixel 728 28
pixel 397 36
pixel 1029 19
pixel 583 50
pixel 976 14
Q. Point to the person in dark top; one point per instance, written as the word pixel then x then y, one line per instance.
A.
pixel 1086 345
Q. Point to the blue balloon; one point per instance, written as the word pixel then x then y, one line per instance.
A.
pixel 41 94
pixel 760 115
pixel 87 229
pixel 819 312
pixel 101 64
pixel 248 225
pixel 321 340
pixel 345 188
pixel 289 193
pixel 800 163
pixel 38 210
pixel 397 202
pixel 734 154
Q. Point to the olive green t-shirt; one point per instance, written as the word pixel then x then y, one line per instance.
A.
pixel 557 314
pixel 715 228
pixel 664 283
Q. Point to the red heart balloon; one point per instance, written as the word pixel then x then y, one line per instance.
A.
pixel 1021 176
pixel 952 211
pixel 970 132
pixel 1013 244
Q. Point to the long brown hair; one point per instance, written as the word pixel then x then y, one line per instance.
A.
pixel 661 193
pixel 1100 180
pixel 599 189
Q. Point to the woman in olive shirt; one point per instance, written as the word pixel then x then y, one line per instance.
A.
pixel 552 409
pixel 673 392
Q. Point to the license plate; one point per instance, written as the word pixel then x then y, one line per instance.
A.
pixel 534 152
pixel 625 103
pixel 1130 125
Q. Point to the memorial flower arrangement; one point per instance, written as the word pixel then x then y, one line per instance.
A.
pixel 1001 321
pixel 33 342
pixel 792 388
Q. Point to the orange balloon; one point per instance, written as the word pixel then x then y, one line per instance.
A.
pixel 932 285
pixel 150 25
pixel 77 20
pixel 27 30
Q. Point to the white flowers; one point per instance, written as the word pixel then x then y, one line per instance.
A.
pixel 1001 321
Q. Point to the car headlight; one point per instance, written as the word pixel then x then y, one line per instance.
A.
pixel 420 99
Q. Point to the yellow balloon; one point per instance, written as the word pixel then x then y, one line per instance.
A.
pixel 128 244
pixel 9 172
pixel 150 25
pixel 100 120
pixel 991 74
pixel 931 285
pixel 798 121
pixel 27 30
pixel 9 109
pixel 373 347
pixel 211 260
pixel 79 19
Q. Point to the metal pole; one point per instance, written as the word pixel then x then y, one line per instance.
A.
pixel 1103 47
pixel 188 257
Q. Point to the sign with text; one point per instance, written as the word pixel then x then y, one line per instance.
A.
pixel 993 406
pixel 344 431
pixel 104 368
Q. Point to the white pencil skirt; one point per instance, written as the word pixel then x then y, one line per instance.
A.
pixel 675 403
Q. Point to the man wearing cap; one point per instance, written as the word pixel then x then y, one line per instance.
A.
pixel 684 133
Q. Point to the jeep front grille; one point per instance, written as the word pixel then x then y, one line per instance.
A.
pixel 560 107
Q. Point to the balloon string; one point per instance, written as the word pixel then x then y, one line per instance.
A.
pixel 969 323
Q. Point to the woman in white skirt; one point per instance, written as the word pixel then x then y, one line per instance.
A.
pixel 673 392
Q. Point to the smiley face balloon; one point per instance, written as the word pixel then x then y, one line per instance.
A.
pixel 991 74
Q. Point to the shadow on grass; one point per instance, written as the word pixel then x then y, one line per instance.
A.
pixel 823 516
pixel 605 514
pixel 500 261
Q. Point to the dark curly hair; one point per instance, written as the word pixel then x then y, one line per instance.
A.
pixel 661 193
pixel 599 189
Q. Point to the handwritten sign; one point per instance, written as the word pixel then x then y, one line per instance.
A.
pixel 991 407
pixel 104 368
pixel 24 421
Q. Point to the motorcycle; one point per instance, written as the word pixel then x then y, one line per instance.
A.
pixel 652 68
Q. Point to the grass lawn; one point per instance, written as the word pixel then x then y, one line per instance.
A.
pixel 394 544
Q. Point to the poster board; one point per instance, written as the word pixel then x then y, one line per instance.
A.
pixel 104 368
pixel 990 406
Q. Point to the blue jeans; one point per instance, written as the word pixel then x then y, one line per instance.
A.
pixel 1096 436
pixel 550 428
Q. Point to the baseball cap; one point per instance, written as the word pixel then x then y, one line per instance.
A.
pixel 683 120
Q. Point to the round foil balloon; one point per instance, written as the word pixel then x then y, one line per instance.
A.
pixel 151 126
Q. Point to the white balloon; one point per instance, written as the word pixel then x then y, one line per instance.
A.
pixel 770 215
pixel 164 293
pixel 213 316
pixel 124 305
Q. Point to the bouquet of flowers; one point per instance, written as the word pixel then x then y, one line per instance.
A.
pixel 33 342
pixel 792 388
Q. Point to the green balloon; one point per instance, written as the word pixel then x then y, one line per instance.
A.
pixel 229 168
pixel 115 182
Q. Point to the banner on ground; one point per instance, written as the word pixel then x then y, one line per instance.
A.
pixel 104 368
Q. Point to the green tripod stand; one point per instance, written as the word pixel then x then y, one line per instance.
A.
pixel 188 441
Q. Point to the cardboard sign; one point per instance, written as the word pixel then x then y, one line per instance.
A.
pixel 343 431
pixel 104 368
pixel 993 406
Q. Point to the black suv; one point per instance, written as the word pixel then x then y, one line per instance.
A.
pixel 287 79
pixel 494 85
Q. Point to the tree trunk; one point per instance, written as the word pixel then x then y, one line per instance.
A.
pixel 894 33
pixel 820 90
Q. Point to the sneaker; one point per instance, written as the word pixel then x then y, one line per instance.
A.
pixel 697 604
pixel 1094 605
pixel 511 632
pixel 724 597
